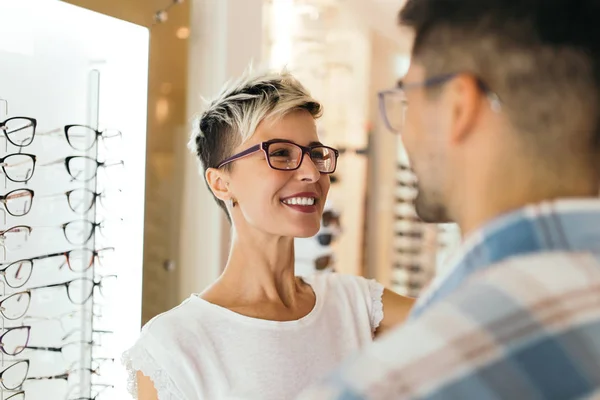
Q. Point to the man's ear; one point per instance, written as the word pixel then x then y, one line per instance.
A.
pixel 466 101
pixel 218 183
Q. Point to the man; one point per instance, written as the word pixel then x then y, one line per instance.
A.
pixel 499 113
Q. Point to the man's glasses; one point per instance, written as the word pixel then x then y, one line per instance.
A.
pixel 284 155
pixel 17 202
pixel 83 168
pixel 83 138
pixel 18 167
pixel 13 376
pixel 393 102
pixel 19 131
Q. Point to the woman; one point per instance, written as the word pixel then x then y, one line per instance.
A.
pixel 260 332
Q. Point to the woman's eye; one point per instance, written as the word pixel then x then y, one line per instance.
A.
pixel 280 153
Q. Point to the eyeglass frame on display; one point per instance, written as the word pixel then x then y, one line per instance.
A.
pixel 3 128
pixel 98 164
pixel 3 165
pixel 10 329
pixel 264 147
pixel 2 380
pixel 66 284
pixel 98 134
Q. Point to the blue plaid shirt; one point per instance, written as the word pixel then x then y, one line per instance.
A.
pixel 520 318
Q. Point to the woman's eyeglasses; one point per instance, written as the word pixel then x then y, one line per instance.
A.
pixel 18 167
pixel 83 138
pixel 17 202
pixel 19 131
pixel 284 155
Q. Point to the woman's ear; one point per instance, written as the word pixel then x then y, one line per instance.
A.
pixel 218 183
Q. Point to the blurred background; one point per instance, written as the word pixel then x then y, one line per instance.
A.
pixel 97 98
pixel 344 51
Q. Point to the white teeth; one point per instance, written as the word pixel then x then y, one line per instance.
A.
pixel 300 201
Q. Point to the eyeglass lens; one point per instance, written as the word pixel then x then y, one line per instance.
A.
pixel 288 156
pixel 14 237
pixel 18 167
pixel 19 130
pixel 13 376
pixel 18 202
pixel 393 106
pixel 83 138
pixel 14 340
pixel 18 273
pixel 16 305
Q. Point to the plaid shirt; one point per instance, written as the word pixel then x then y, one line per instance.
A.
pixel 520 318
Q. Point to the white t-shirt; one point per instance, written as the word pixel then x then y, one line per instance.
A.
pixel 200 351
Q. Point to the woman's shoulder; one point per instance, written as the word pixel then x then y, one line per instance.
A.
pixel 352 294
pixel 174 321
pixel 348 283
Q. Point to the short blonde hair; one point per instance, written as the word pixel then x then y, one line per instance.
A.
pixel 232 117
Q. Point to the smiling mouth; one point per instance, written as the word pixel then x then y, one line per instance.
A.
pixel 300 201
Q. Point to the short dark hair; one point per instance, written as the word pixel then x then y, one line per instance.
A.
pixel 541 57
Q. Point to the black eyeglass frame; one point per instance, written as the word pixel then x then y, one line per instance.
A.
pixel 3 129
pixel 31 156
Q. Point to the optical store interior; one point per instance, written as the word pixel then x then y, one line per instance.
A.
pixel 106 219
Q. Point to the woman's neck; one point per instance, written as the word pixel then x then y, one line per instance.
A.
pixel 260 269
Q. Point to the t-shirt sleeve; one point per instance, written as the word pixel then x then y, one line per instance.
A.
pixel 366 292
pixel 376 301
pixel 149 356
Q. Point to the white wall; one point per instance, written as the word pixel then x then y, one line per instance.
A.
pixel 225 36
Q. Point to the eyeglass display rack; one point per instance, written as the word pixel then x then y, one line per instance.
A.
pixel 71 194
pixel 315 254
pixel 56 262
pixel 413 254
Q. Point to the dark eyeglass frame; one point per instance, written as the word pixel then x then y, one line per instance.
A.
pixel 4 200
pixel 427 83
pixel 3 272
pixel 95 197
pixel 94 226
pixel 3 129
pixel 264 146
pixel 31 156
pixel 27 294
pixel 26 362
pixel 7 331
pixel 98 134
pixel 99 164
pixel 95 283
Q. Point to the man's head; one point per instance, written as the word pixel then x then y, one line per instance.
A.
pixel 502 90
